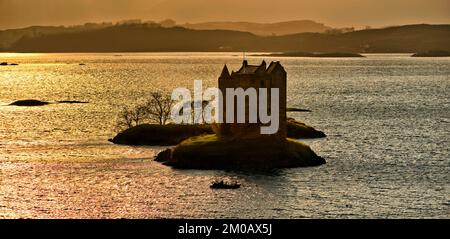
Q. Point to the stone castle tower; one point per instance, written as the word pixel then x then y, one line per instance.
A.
pixel 254 76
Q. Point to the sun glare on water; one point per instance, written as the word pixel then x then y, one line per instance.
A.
pixel 13 55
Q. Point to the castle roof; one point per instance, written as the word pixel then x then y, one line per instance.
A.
pixel 257 69
pixel 273 65
pixel 225 73
pixel 248 69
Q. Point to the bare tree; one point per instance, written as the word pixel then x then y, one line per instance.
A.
pixel 158 107
pixel 192 105
pixel 130 117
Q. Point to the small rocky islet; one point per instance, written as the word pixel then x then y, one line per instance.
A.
pixel 314 54
pixel 30 103
pixel 435 53
pixel 8 64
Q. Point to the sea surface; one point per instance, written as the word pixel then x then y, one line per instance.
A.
pixel 387 117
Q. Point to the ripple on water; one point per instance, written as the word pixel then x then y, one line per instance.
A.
pixel 385 116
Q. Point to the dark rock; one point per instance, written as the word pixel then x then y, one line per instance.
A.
pixel 224 185
pixel 29 103
pixel 164 156
pixel 297 110
pixel 299 130
pixel 72 102
pixel 41 103
pixel 3 63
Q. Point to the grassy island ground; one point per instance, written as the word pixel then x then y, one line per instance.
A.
pixel 211 152
pixel 171 134
pixel 160 135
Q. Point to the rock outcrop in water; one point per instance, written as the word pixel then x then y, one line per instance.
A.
pixel 42 103
pixel 29 103
pixel 6 63
pixel 432 54
pixel 290 109
pixel 72 102
pixel 309 54
pixel 299 130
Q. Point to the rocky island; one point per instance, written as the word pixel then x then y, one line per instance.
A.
pixel 173 134
pixel 6 64
pixel 29 103
pixel 309 54
pixel 432 54
pixel 42 103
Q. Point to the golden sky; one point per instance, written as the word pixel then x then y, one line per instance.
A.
pixel 337 13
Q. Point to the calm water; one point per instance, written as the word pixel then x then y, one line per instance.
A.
pixel 387 117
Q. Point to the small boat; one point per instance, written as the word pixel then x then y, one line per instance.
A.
pixel 225 185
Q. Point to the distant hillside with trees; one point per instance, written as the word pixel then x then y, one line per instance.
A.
pixel 263 29
pixel 149 37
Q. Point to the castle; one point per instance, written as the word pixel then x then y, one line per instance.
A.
pixel 254 76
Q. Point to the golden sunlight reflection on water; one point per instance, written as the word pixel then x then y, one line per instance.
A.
pixel 386 117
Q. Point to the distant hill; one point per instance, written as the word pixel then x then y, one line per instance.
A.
pixel 135 38
pixel 9 37
pixel 151 38
pixel 263 29
pixel 398 39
